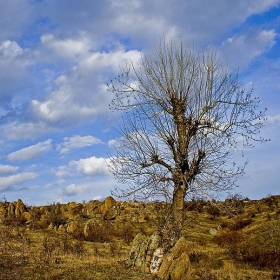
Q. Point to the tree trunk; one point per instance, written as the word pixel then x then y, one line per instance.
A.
pixel 178 205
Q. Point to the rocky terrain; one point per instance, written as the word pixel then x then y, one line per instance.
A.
pixel 234 239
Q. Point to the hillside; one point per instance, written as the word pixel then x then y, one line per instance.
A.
pixel 234 239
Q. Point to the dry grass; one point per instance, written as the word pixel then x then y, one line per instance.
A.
pixel 221 246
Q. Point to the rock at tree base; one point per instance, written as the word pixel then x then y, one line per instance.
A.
pixel 176 263
pixel 137 253
pixel 156 260
pixel 148 254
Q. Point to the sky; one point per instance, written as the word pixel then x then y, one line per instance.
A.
pixel 56 57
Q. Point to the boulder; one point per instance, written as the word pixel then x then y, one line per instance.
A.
pixel 26 216
pixel 92 207
pixel 89 229
pixel 61 229
pixel 180 247
pixel 20 208
pixel 137 254
pixel 176 263
pixel 108 203
pixel 179 268
pixel 73 227
pixel 156 260
pixel 11 209
pixel 213 231
pixel 110 214
pixel 3 211
pixel 153 245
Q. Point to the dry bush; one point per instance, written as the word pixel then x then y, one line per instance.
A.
pixel 235 204
pixel 14 246
pixel 195 205
pixel 99 232
pixel 238 223
pixel 261 250
pixel 230 240
pixel 78 234
pixel 271 201
pixel 127 233
pixel 55 215
pixel 213 210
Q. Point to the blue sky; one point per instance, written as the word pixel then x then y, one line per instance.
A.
pixel 57 56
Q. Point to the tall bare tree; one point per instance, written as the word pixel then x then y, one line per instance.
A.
pixel 185 114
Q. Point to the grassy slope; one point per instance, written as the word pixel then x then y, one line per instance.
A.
pixel 36 253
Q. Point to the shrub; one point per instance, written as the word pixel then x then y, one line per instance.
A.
pixel 213 210
pixel 237 223
pixel 230 240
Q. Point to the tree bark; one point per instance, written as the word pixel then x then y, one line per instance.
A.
pixel 178 204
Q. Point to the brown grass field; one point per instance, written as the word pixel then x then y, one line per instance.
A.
pixel 234 239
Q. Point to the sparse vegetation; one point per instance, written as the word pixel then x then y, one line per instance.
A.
pixel 244 245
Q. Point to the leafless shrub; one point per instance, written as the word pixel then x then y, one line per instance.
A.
pixel 14 246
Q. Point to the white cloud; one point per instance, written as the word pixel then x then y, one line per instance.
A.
pixel 27 130
pixel 10 49
pixel 77 141
pixel 5 169
pixel 146 19
pixel 73 189
pixel 243 48
pixel 69 48
pixel 112 142
pixel 31 152
pixel 14 76
pixel 99 197
pixel 11 181
pixel 81 95
pixel 91 166
pixel 273 119
pixel 62 172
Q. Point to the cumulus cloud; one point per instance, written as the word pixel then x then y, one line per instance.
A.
pixel 112 142
pixel 62 172
pixel 69 48
pixel 5 169
pixel 73 189
pixel 13 180
pixel 31 152
pixel 27 130
pixel 77 141
pixel 13 63
pixel 143 20
pixel 91 166
pixel 81 94
pixel 243 48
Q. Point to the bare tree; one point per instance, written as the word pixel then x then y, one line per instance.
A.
pixel 184 117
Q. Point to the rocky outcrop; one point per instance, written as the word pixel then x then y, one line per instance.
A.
pixel 61 229
pixel 93 207
pixel 107 204
pixel 137 252
pixel 20 208
pixel 73 227
pixel 3 212
pixel 11 209
pixel 89 229
pixel 27 216
pixel 154 243
pixel 150 256
pixel 108 208
pixel 176 263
